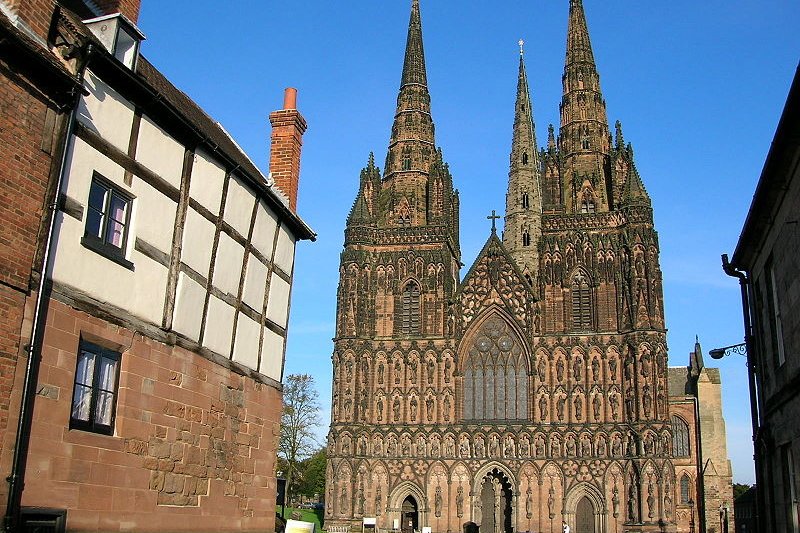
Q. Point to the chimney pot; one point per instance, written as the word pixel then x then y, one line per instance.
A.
pixel 290 98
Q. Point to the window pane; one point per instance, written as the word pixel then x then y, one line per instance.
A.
pixel 114 233
pixel 97 196
pixel 85 371
pixel 81 402
pixel 117 208
pixel 94 223
pixel 108 374
pixel 105 405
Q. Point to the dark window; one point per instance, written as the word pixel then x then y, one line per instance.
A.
pixel 410 310
pixel 525 201
pixel 407 164
pixel 774 319
pixel 524 158
pixel 587 202
pixel 585 144
pixel 107 220
pixel 43 520
pixel 526 239
pixel 685 489
pixel 680 437
pixel 95 396
pixel 581 302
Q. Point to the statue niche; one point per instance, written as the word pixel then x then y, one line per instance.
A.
pixel 495 372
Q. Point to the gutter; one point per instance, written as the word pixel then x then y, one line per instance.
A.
pixel 16 479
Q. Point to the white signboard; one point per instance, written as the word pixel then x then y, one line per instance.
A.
pixel 298 526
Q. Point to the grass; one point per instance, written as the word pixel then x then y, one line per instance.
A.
pixel 316 516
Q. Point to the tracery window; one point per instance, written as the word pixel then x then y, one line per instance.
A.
pixel 680 437
pixel 496 374
pixel 581 302
pixel 409 312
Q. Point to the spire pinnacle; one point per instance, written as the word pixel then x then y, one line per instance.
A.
pixel 414 64
pixel 521 47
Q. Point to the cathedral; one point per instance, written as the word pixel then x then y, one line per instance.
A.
pixel 534 391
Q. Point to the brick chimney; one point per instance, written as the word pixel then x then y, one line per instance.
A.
pixel 129 8
pixel 288 126
pixel 35 14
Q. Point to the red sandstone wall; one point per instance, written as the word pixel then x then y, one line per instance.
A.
pixel 194 444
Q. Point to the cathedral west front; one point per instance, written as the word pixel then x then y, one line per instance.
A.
pixel 534 390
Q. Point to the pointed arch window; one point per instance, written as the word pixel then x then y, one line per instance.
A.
pixel 409 312
pixel 685 489
pixel 495 374
pixel 680 437
pixel 581 302
pixel 526 238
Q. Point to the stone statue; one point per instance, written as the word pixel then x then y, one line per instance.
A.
pixel 437 502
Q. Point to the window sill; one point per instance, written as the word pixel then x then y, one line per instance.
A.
pixel 109 252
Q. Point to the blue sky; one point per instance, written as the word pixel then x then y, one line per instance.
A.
pixel 698 85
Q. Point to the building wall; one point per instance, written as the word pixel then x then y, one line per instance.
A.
pixel 193 447
pixel 767 253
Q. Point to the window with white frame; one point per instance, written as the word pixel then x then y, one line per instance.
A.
pixel 107 220
pixel 95 395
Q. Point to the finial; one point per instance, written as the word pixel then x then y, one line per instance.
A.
pixel 371 159
pixel 493 217
pixel 521 45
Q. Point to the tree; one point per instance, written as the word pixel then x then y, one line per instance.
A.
pixel 299 419
pixel 313 482
pixel 739 489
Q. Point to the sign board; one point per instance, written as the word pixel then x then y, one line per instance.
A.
pixel 396 523
pixel 370 522
pixel 426 529
pixel 298 526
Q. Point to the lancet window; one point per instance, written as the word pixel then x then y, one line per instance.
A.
pixel 409 312
pixel 680 437
pixel 581 302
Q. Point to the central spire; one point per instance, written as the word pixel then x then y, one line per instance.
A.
pixel 414 64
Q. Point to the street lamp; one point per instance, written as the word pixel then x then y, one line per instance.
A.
pixel 736 349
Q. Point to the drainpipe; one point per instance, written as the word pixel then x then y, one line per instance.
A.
pixel 700 482
pixel 16 480
pixel 744 284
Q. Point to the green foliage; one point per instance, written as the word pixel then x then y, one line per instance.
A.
pixel 739 489
pixel 313 474
pixel 299 420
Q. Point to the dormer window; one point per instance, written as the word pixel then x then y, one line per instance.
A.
pixel 119 36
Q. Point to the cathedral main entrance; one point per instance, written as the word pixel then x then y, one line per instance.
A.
pixel 410 513
pixel 495 503
pixel 584 516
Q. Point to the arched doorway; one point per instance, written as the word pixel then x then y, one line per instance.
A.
pixel 584 516
pixel 409 515
pixel 495 503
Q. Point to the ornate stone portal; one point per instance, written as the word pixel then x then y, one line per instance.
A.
pixel 532 391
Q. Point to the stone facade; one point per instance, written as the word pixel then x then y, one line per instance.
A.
pixel 535 389
pixel 766 261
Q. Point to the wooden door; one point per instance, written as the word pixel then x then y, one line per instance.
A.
pixel 584 517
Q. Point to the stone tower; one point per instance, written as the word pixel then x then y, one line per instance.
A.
pixel 535 389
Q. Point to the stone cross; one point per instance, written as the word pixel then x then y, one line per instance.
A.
pixel 493 217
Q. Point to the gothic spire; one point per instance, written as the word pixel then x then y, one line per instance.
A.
pixel 584 125
pixel 412 143
pixel 524 197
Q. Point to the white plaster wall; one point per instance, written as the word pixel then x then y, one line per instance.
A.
pixel 106 112
pixel 208 178
pixel 189 301
pixel 278 303
pixel 245 348
pixel 159 152
pixel 140 291
pixel 219 326
pixel 264 230
pixel 255 283
pixel 228 265
pixel 239 206
pixel 198 240
pixel 284 251
pixel 155 215
pixel 272 355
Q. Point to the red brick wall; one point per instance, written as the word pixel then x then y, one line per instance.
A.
pixel 194 445
pixel 37 14
pixel 24 177
pixel 129 8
